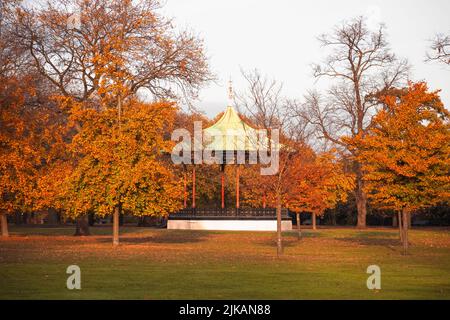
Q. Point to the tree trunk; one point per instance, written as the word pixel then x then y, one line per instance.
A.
pixel 4 222
pixel 394 221
pixel 82 226
pixel 52 217
pixel 405 214
pixel 18 218
pixel 299 230
pixel 313 221
pixel 117 209
pixel 25 218
pixel 333 217
pixel 116 226
pixel 279 240
pixel 31 220
pixel 409 220
pixel 361 199
pixel 91 219
pixel 400 226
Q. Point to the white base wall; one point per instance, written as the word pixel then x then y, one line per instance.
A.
pixel 250 225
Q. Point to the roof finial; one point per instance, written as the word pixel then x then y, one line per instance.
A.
pixel 230 93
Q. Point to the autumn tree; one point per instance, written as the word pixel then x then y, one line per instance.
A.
pixel 126 168
pixel 103 53
pixel 319 182
pixel 360 63
pixel 207 184
pixel 26 117
pixel 256 189
pixel 406 152
pixel 17 156
pixel 30 132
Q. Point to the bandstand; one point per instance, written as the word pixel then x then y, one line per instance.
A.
pixel 227 128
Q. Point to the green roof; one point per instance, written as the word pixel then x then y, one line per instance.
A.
pixel 231 133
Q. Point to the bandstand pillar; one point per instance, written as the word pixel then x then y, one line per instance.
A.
pixel 237 186
pixel 222 182
pixel 193 186
pixel 185 189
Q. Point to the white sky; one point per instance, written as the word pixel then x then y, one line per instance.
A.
pixel 279 38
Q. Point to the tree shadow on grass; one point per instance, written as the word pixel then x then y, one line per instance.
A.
pixel 376 234
pixel 290 238
pixel 161 237
pixel 287 240
pixel 373 239
pixel 65 230
pixel 273 243
pixel 305 234
pixel 310 234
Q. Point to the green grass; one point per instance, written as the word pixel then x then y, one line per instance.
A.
pixel 179 264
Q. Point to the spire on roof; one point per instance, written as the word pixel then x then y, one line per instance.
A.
pixel 230 93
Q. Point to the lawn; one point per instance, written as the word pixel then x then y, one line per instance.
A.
pixel 180 264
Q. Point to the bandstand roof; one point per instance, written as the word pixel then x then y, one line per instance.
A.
pixel 231 133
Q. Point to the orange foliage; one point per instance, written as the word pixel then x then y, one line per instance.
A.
pixel 310 182
pixel 318 183
pixel 126 166
pixel 27 130
pixel 407 151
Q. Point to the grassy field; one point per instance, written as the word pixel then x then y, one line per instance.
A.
pixel 178 264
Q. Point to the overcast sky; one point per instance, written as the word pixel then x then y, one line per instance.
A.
pixel 279 38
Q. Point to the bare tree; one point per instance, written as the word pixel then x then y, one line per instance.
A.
pixel 12 56
pixel 74 43
pixel 440 49
pixel 264 104
pixel 360 64
pixel 262 100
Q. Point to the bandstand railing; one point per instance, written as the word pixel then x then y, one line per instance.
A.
pixel 229 213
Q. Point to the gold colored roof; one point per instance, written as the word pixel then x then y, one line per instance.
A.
pixel 231 133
